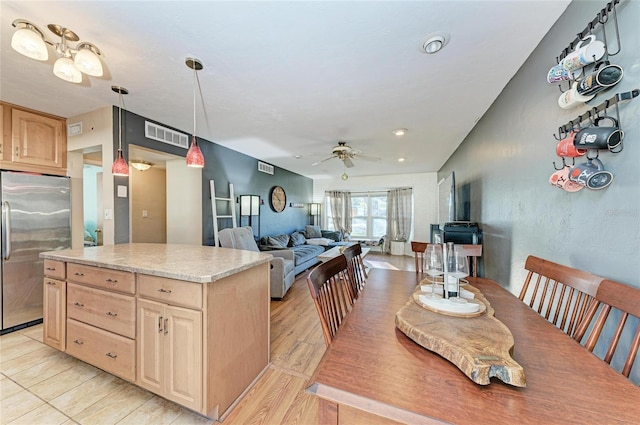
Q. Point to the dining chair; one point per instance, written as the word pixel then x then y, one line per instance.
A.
pixel 625 299
pixel 419 249
pixel 560 294
pixel 473 252
pixel 357 269
pixel 331 293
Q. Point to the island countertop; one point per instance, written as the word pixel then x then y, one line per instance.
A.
pixel 200 264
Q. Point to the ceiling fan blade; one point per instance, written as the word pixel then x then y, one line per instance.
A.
pixel 348 163
pixel 326 159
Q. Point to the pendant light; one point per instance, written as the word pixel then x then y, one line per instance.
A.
pixel 194 154
pixel 120 167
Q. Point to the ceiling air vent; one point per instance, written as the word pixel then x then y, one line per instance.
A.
pixel 163 134
pixel 265 168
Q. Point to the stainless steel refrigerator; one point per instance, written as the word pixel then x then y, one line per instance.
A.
pixel 36 217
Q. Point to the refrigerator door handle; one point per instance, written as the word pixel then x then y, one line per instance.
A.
pixel 6 218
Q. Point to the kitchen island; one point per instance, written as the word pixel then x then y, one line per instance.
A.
pixel 189 323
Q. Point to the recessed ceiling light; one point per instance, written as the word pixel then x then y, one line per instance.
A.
pixel 297 156
pixel 400 131
pixel 400 159
pixel 433 42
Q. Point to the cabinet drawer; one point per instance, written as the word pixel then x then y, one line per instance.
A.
pixel 171 291
pixel 107 310
pixel 55 269
pixel 113 280
pixel 112 353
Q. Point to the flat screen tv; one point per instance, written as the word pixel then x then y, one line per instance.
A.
pixel 447 199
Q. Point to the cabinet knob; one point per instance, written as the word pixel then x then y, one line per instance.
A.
pixel 112 314
pixel 113 356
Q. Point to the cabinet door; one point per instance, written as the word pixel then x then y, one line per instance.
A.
pixel 183 356
pixel 37 140
pixel 54 308
pixel 150 344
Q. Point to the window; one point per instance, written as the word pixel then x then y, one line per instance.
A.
pixel 368 215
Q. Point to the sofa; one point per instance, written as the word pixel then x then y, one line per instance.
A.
pixel 305 255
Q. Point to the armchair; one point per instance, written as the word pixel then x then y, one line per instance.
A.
pixel 282 264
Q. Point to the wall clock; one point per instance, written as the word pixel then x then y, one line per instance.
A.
pixel 278 199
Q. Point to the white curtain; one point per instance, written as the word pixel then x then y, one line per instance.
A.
pixel 340 204
pixel 399 216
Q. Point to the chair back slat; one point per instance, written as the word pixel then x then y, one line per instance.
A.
pixel 357 269
pixel 559 293
pixel 419 249
pixel 329 287
pixel 624 298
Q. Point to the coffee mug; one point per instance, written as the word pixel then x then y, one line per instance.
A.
pixel 558 74
pixel 597 137
pixel 571 98
pixel 600 79
pixel 566 148
pixel 584 54
pixel 591 174
pixel 561 180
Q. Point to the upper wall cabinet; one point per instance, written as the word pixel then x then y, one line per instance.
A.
pixel 32 141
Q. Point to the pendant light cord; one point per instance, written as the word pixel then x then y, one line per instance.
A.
pixel 120 123
pixel 195 77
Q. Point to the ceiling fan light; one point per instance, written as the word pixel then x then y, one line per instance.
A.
pixel 28 42
pixel 87 61
pixel 120 167
pixel 195 158
pixel 66 70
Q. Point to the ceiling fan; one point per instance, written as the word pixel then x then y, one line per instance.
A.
pixel 346 153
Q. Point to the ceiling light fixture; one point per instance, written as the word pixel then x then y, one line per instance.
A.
pixel 120 167
pixel 195 158
pixel 31 41
pixel 141 165
pixel 433 42
pixel 400 131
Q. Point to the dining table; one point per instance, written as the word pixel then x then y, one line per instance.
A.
pixel 372 373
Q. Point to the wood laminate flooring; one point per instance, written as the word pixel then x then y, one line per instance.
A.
pixel 40 385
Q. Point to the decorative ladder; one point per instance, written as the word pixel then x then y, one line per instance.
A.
pixel 216 217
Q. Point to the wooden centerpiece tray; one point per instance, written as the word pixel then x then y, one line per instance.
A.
pixel 477 343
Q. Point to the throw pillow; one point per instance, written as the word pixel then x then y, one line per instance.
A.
pixel 297 238
pixel 281 241
pixel 312 232
pixel 336 236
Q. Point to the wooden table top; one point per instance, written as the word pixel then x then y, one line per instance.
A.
pixel 374 367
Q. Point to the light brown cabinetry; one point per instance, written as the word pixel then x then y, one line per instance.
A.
pixel 33 141
pixel 101 318
pixel 169 346
pixel 54 308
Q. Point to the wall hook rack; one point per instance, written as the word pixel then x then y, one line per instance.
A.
pixel 596 110
pixel 601 19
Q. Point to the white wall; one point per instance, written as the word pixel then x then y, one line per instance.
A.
pixel 184 203
pixel 97 131
pixel 425 196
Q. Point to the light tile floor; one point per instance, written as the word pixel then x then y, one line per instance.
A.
pixel 40 385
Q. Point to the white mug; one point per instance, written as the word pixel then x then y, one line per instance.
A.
pixel 584 54
pixel 571 98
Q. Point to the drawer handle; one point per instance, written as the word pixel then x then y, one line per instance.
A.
pixel 160 324
pixel 79 274
pixel 78 304
pixel 113 356
pixel 53 269
pixel 79 341
pixel 166 328
pixel 166 291
pixel 112 314
pixel 114 281
pixel 50 282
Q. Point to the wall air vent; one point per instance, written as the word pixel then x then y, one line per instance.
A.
pixel 265 168
pixel 166 135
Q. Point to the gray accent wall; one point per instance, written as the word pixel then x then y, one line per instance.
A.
pixel 224 166
pixel 506 161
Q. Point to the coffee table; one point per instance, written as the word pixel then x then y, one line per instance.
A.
pixel 335 251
